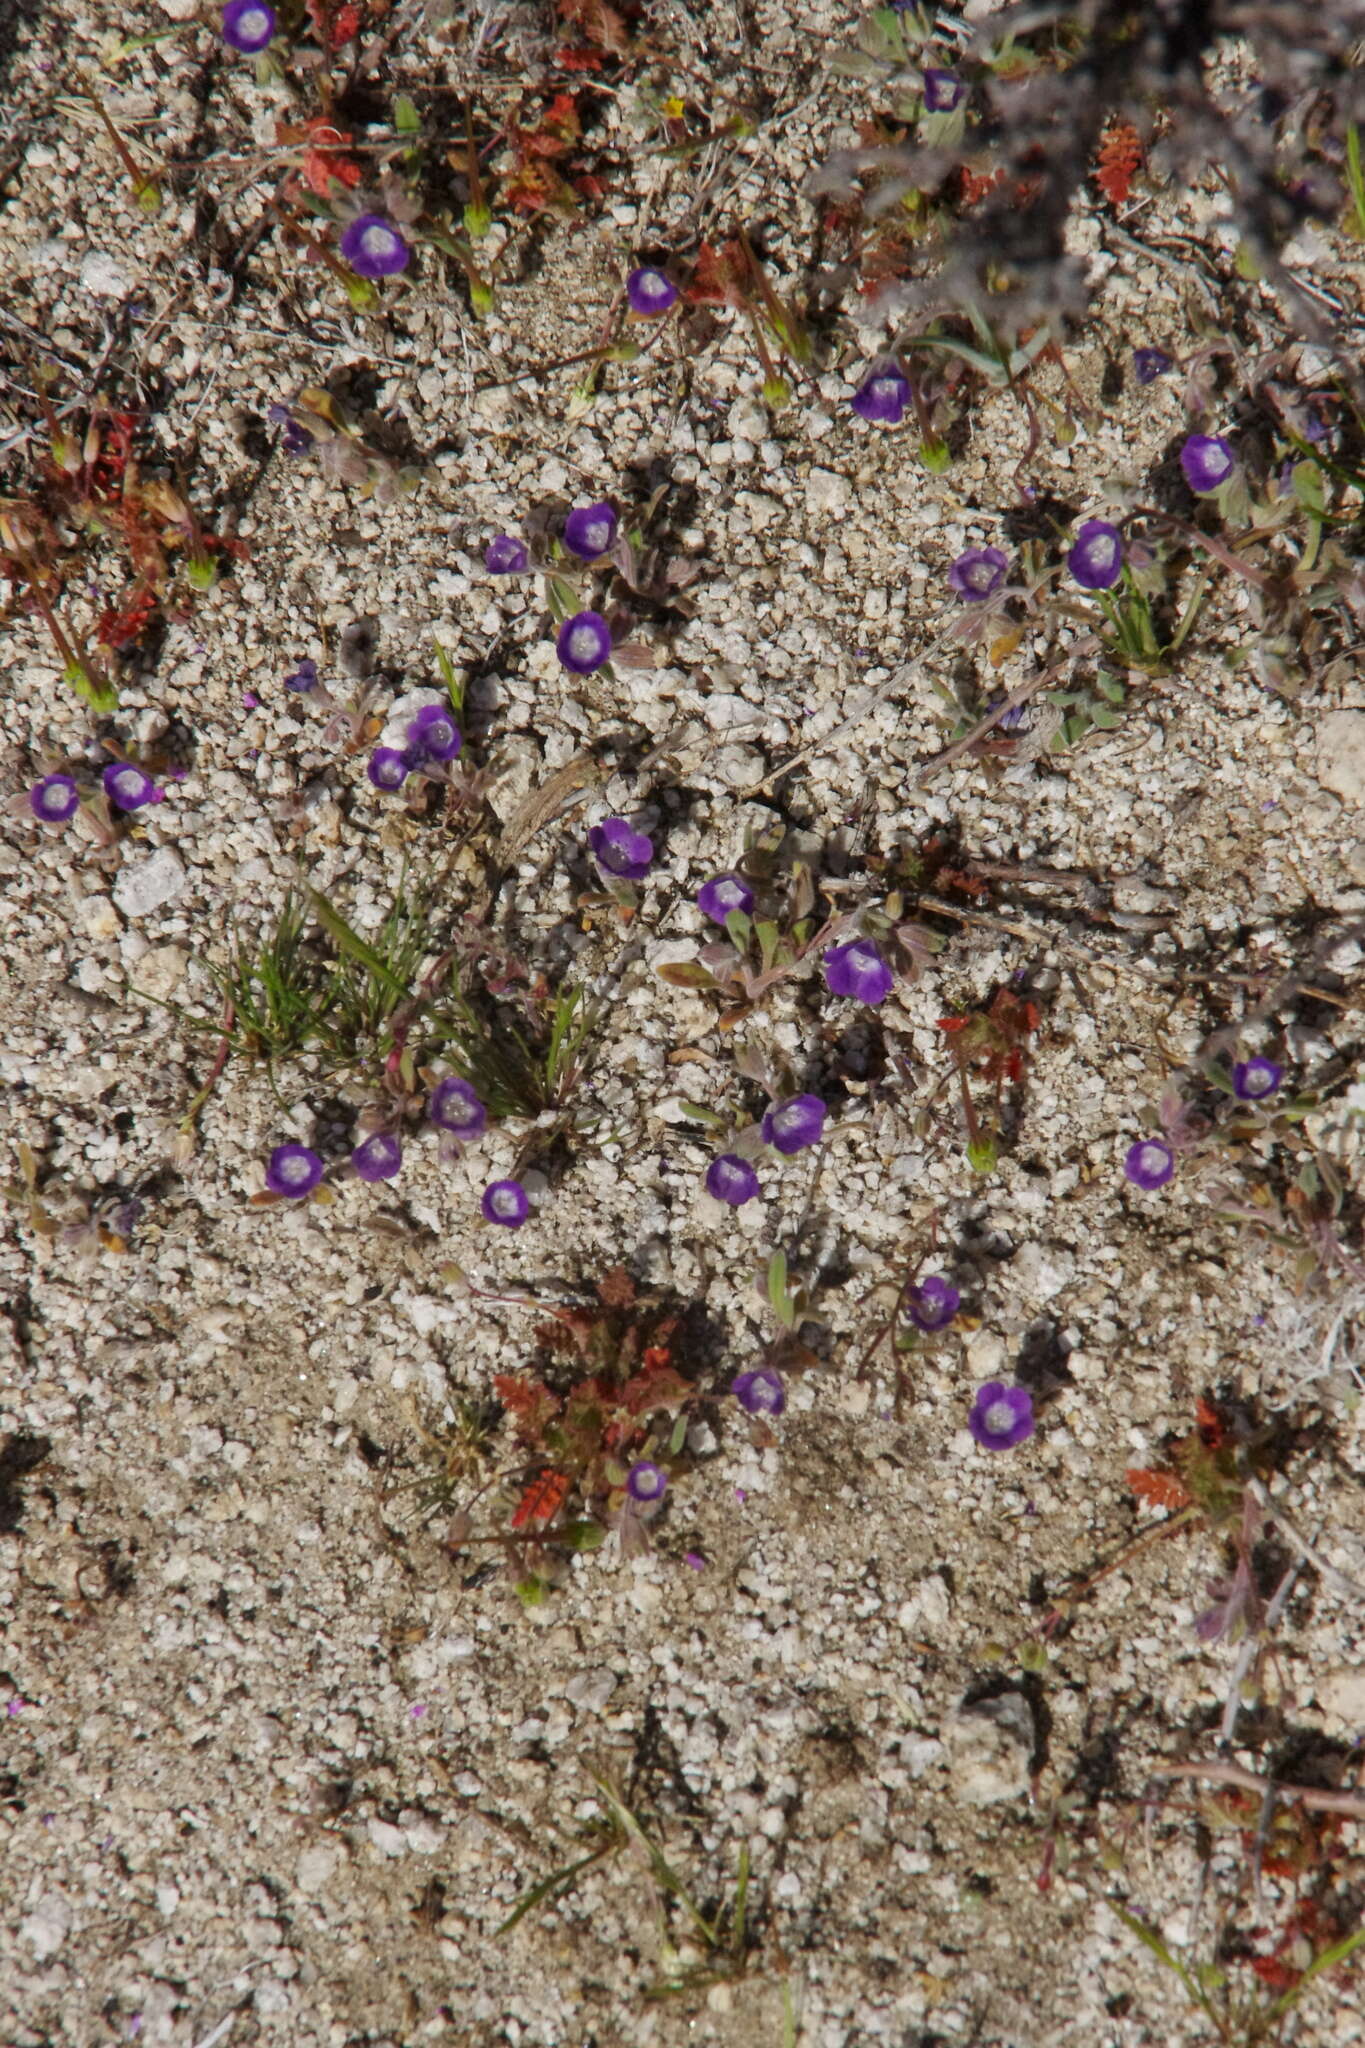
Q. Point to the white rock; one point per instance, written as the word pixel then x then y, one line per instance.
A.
pixel 1341 755
pixel 150 885
pixel 591 1689
pixel 723 709
pixel 99 919
pixel 386 1838
pixel 104 277
pixel 160 970
pixel 990 1745
pixel 826 492
pixel 47 1926
pixel 926 1611
pixel 1341 1695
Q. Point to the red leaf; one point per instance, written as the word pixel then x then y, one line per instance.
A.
pixel 1120 155
pixel 542 1500
pixel 1158 1489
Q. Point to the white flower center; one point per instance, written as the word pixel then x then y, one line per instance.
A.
pixel 652 284
pixel 1000 1418
pixel 729 896
pixel 295 1171
pixel 254 24
pixel 377 240
pixel 505 1203
pixel 127 783
pixel 1152 1159
pixel 885 388
pixel 1103 551
pixel 596 535
pixel 584 644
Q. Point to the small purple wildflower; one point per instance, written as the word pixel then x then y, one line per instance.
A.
pixel 293 1170
pixel 388 768
pixel 858 970
pixel 619 850
pixel 435 734
pixel 505 555
pixel 650 292
pixel 731 1179
pixel 54 800
pixel 933 1304
pixel 978 573
pixel 248 26
pixel 646 1482
pixel 304 677
pixel 295 440
pixel 883 395
pixel 374 248
pixel 1096 557
pixel 584 643
pixel 506 1202
pixel 792 1125
pixel 128 788
pixel 590 530
pixel 760 1392
pixel 379 1157
pixel 1001 1416
pixel 1253 1080
pixel 1150 363
pixel 718 898
pixel 454 1107
pixel 1149 1164
pixel 943 92
pixel 1208 461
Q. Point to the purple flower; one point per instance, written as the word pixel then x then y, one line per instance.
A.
pixel 505 555
pixel 933 1304
pixel 590 530
pixel 388 768
pixel 1096 557
pixel 731 1179
pixel 760 1392
pixel 978 573
pixel 248 26
pixel 435 734
pixel 883 395
pixel 379 1157
pixel 646 1481
pixel 374 248
pixel 619 850
pixel 304 677
pixel 1149 1164
pixel 650 292
pixel 584 643
pixel 128 788
pixel 792 1125
pixel 943 92
pixel 1001 1416
pixel 726 893
pixel 1150 363
pixel 1253 1080
pixel 858 970
pixel 293 1170
pixel 454 1107
pixel 506 1202
pixel 1208 461
pixel 54 799
pixel 296 439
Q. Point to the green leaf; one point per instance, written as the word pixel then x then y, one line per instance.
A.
pixel 783 1307
pixel 583 1536
pixel 1330 1959
pixel 453 681
pixel 983 1155
pixel 533 1591
pixel 685 974
pixel 406 119
pixel 1151 1940
pixel 557 1879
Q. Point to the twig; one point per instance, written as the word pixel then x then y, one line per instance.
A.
pixel 1350 1803
pixel 1330 1574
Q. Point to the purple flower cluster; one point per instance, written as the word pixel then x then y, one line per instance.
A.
pixel 931 1304
pixel 1001 1416
pixel 1096 557
pixel 55 800
pixel 978 573
pixel 418 741
pixel 1208 461
pixel 760 1392
pixel 620 851
pixel 883 395
pixel 1253 1080
pixel 374 248
pixel 505 555
pixel 650 292
pixel 583 643
pixel 128 788
pixel 589 531
pixel 723 896
pixel 1149 1164
pixel 858 970
pixel 791 1126
pixel 248 26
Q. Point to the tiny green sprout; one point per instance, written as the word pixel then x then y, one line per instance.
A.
pixel 983 1154
pixel 406 119
pixel 777 392
pixel 201 571
pixel 533 1591
pixel 481 296
pixel 936 457
pixel 361 293
pixel 1353 221
pixel 1033 1657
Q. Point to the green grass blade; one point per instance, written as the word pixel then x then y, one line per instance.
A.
pixel 564 1876
pixel 664 1875
pixel 1330 1958
pixel 741 1903
pixel 1151 1940
pixel 352 945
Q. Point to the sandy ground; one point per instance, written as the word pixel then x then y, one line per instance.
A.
pixel 276 1765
